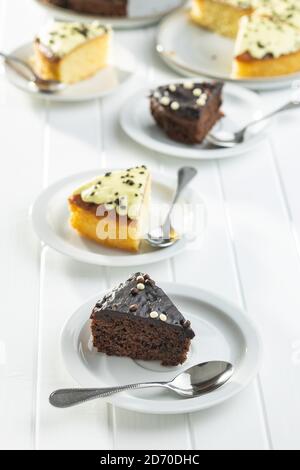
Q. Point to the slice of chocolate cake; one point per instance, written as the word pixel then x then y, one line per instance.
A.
pixel 187 111
pixel 138 320
pixel 94 7
pixel 99 7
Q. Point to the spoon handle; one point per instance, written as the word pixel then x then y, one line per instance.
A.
pixel 68 397
pixel 185 175
pixel 286 107
pixel 9 59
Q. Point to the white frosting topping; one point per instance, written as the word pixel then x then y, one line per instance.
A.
pixel 273 27
pixel 122 191
pixel 262 35
pixel 280 7
pixel 63 37
pixel 286 10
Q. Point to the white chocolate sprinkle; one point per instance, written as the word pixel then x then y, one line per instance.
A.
pixel 172 87
pixel 175 105
pixel 165 101
pixel 202 100
pixel 197 92
pixel 188 85
pixel 154 315
pixel 163 317
pixel 156 94
pixel 140 286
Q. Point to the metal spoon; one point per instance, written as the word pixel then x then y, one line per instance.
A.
pixel 44 86
pixel 199 380
pixel 161 237
pixel 228 139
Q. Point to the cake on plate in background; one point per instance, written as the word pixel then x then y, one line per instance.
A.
pixel 221 16
pixel 93 7
pixel 71 52
pixel 118 8
pixel 267 33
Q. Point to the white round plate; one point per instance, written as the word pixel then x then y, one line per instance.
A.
pixel 141 13
pixel 240 106
pixel 105 82
pixel 50 218
pixel 223 332
pixel 197 51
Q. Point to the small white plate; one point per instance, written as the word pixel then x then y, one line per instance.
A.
pixel 240 106
pixel 197 51
pixel 141 13
pixel 223 332
pixel 105 82
pixel 50 217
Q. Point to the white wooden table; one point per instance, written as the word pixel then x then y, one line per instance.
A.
pixel 250 255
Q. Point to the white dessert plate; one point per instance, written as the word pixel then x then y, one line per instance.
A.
pixel 197 51
pixel 140 13
pixel 50 218
pixel 223 332
pixel 105 82
pixel 240 106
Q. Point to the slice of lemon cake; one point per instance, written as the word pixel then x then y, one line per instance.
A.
pixel 221 16
pixel 71 52
pixel 267 33
pixel 112 209
pixel 266 46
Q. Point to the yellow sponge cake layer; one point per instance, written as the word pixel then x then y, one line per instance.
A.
pixel 256 68
pixel 71 52
pixel 87 224
pixel 219 16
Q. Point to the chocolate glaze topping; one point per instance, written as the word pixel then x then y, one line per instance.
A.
pixel 187 99
pixel 97 7
pixel 140 297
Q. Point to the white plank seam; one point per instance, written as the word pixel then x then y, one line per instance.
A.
pixel 189 425
pixel 38 333
pixel 46 145
pixel 242 296
pixel 3 9
pixel 111 412
pixel 191 433
pixel 100 134
pixel 284 197
pixel 37 360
